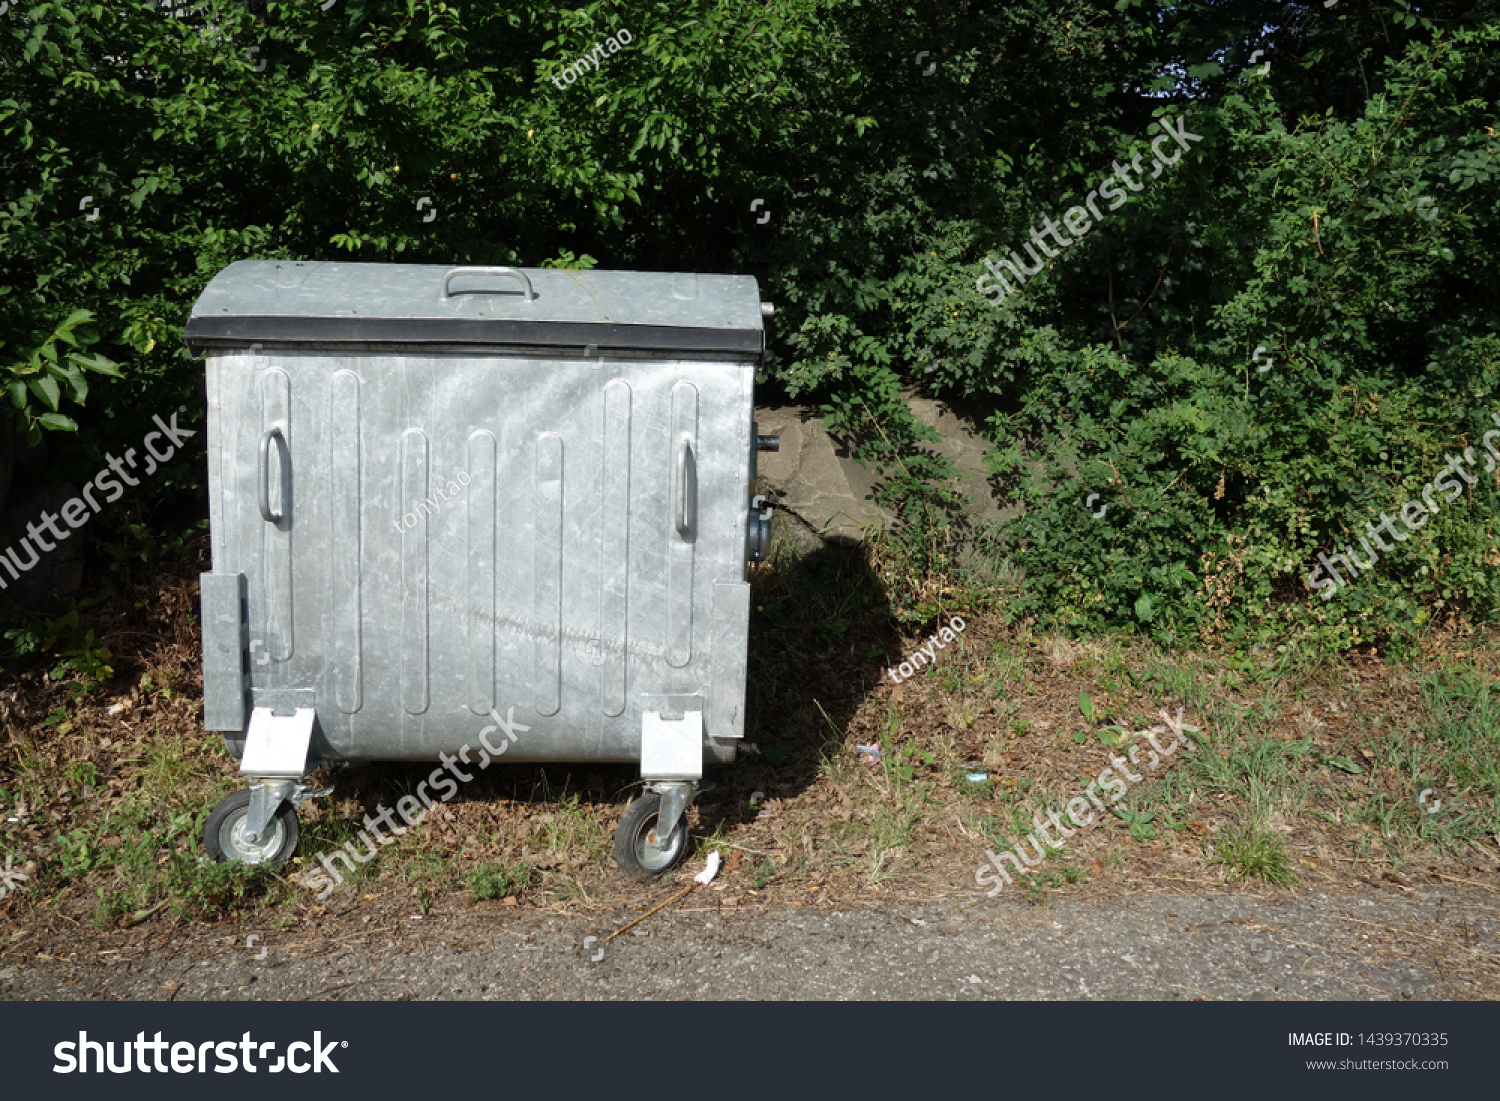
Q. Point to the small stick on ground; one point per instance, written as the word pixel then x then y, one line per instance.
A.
pixel 649 912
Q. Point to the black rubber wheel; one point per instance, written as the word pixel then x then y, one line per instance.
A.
pixel 634 854
pixel 224 833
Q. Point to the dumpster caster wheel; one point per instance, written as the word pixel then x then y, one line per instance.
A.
pixel 224 833
pixel 634 853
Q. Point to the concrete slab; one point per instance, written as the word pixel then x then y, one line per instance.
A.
pixel 811 480
pixel 817 480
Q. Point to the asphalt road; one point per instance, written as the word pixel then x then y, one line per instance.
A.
pixel 1426 945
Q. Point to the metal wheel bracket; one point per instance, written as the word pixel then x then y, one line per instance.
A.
pixel 305 792
pixel 266 798
pixel 676 797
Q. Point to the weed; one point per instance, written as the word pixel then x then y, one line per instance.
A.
pixel 882 865
pixel 1464 723
pixel 1087 707
pixel 1175 683
pixel 79 852
pixel 1169 818
pixel 1037 884
pixel 76 645
pixel 1005 668
pixel 204 890
pixel 705 843
pixel 498 880
pixel 430 873
pixel 82 774
pixel 1139 822
pixel 1256 853
pixel 903 761
pixel 762 872
pixel 165 773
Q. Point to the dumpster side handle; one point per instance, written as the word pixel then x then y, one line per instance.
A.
pixel 512 272
pixel 687 492
pixel 269 516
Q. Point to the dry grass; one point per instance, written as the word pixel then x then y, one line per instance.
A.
pixel 1309 777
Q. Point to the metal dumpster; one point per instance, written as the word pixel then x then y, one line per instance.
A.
pixel 456 508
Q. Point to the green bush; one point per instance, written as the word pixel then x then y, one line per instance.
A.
pixel 37 381
pixel 1340 212
pixel 1338 218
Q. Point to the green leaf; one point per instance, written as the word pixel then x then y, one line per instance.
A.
pixel 46 389
pixel 76 318
pixel 96 363
pixel 57 422
pixel 1086 705
pixel 77 382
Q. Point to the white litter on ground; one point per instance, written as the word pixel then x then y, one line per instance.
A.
pixel 706 876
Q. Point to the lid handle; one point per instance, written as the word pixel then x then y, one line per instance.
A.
pixel 512 272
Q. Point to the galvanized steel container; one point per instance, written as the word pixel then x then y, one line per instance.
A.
pixel 442 497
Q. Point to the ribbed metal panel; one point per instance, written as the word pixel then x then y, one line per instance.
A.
pixel 464 533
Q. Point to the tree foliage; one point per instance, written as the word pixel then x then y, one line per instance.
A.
pixel 1337 221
